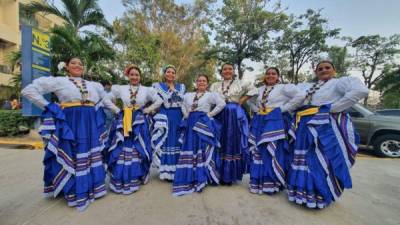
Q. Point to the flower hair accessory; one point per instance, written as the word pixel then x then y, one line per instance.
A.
pixel 167 67
pixel 129 67
pixel 61 66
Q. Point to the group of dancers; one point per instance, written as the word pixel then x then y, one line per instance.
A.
pixel 300 137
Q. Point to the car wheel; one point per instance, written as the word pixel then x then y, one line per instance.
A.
pixel 388 145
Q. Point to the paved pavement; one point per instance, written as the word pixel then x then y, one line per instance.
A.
pixel 374 199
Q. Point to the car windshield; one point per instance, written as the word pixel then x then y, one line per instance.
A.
pixel 363 109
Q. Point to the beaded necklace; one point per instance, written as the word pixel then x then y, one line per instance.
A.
pixel 310 92
pixel 265 95
pixel 133 95
pixel 196 100
pixel 225 91
pixel 82 89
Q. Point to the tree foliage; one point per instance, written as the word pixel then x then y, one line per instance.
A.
pixel 242 30
pixel 372 53
pixel 303 37
pixel 340 58
pixel 389 85
pixel 154 33
pixel 75 13
pixel 70 39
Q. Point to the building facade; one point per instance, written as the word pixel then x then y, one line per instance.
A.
pixel 11 19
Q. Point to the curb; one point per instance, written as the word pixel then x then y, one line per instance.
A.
pixel 35 145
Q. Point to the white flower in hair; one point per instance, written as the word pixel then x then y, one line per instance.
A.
pixel 61 66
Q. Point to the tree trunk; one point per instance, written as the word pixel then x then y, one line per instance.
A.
pixel 240 72
pixel 366 101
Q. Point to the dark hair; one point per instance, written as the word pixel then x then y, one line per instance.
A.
pixel 273 68
pixel 105 82
pixel 71 58
pixel 202 75
pixel 166 67
pixel 224 64
pixel 130 67
pixel 325 61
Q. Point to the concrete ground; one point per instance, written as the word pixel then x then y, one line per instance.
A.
pixel 374 199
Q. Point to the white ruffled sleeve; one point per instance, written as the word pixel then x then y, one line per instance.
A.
pixel 353 90
pixel 34 92
pixel 218 102
pixel 110 97
pixel 250 89
pixel 185 105
pixel 295 95
pixel 153 97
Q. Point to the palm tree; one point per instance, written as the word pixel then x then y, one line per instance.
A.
pixel 69 40
pixel 92 48
pixel 14 60
pixel 75 13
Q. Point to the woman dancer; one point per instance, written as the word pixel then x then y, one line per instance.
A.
pixel 198 159
pixel 269 133
pixel 129 152
pixel 166 126
pixel 326 143
pixel 235 129
pixel 73 163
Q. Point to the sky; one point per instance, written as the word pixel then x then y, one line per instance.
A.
pixel 353 17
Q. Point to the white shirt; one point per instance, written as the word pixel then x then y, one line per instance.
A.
pixel 167 95
pixel 210 100
pixel 64 89
pixel 143 96
pixel 237 89
pixel 287 97
pixel 342 93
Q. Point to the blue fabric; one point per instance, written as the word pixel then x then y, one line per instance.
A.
pixel 73 161
pixel 318 173
pixel 199 158
pixel 270 151
pixel 234 143
pixel 171 147
pixel 101 124
pixel 129 158
pixel 165 87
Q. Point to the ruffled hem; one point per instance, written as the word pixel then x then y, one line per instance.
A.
pixel 188 189
pixel 81 203
pixel 259 187
pixel 125 188
pixel 310 200
pixel 159 134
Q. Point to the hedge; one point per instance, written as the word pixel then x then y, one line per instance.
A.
pixel 12 123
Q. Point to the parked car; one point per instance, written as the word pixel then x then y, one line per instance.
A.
pixel 379 132
pixel 388 112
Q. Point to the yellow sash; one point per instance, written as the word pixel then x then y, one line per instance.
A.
pixel 73 104
pixel 127 120
pixel 265 111
pixel 306 112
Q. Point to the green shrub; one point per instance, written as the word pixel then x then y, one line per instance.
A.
pixel 13 123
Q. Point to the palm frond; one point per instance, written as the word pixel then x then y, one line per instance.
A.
pixel 35 7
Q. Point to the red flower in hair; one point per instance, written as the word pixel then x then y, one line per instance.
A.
pixel 128 69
